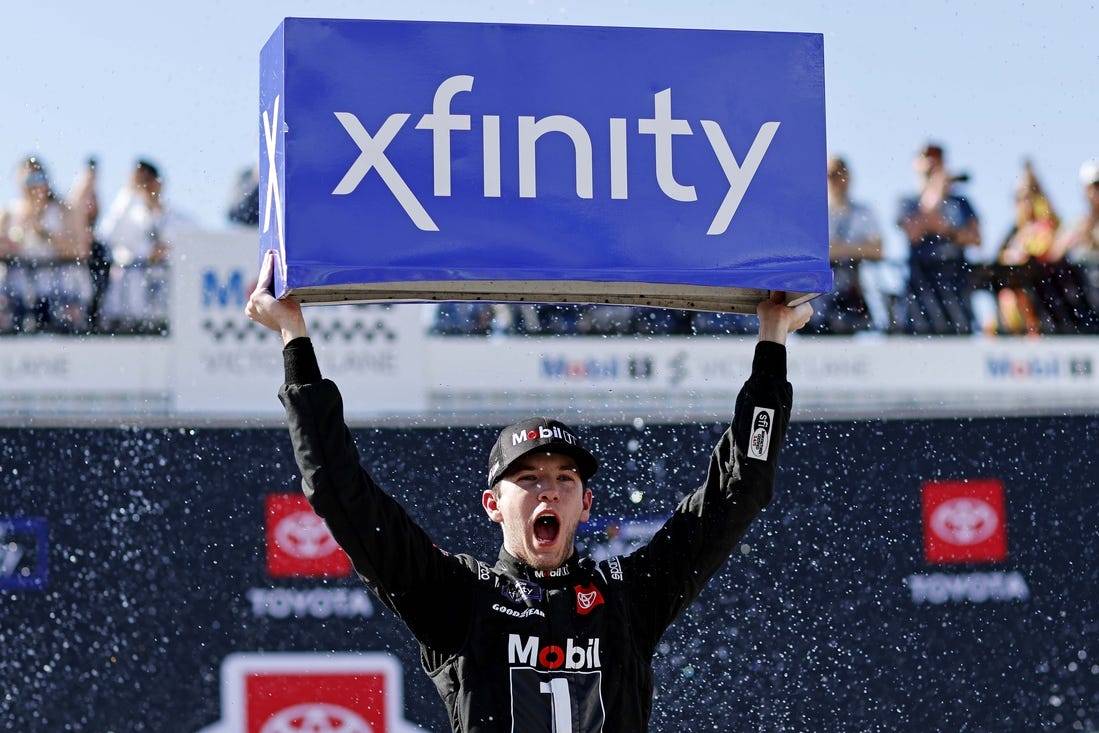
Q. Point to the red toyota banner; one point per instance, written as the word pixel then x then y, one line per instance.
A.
pixel 964 521
pixel 295 692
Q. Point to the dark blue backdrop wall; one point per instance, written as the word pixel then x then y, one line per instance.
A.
pixel 134 561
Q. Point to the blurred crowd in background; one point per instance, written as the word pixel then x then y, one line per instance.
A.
pixel 68 267
pixel 1044 278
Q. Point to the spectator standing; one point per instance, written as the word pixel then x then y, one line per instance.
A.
pixel 1079 246
pixel 1027 247
pixel 853 236
pixel 244 199
pixel 1080 242
pixel 134 230
pixel 45 247
pixel 940 226
pixel 84 200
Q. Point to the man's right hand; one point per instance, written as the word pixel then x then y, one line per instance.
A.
pixel 265 309
pixel 777 320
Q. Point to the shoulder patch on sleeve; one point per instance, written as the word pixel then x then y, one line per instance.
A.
pixel 610 569
pixel 759 441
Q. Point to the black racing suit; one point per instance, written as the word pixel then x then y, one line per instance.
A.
pixel 511 648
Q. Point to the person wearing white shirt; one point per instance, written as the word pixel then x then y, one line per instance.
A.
pixel 133 228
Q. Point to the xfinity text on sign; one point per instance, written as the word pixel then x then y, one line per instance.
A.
pixel 420 161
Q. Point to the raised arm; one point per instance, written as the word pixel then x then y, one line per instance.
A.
pixel 390 552
pixel 692 545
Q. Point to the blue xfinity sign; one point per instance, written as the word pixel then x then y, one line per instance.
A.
pixel 460 161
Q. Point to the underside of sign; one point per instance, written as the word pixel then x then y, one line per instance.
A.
pixel 685 297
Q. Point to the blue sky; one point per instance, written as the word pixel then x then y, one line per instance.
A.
pixel 177 83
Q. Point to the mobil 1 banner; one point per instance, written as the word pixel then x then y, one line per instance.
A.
pixel 436 157
pixel 908 576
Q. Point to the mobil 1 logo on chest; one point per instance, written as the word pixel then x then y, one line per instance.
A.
pixel 555 688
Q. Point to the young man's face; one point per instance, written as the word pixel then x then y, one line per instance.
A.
pixel 539 502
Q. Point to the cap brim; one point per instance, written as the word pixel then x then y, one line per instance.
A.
pixel 586 463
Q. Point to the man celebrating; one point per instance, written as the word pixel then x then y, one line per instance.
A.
pixel 544 640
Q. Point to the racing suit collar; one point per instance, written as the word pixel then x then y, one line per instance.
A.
pixel 514 567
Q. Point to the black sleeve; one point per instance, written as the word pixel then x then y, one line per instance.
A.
pixel 299 362
pixel 670 572
pixel 391 553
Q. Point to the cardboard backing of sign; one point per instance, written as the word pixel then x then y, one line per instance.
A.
pixel 419 161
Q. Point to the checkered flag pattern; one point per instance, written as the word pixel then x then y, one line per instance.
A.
pixel 360 328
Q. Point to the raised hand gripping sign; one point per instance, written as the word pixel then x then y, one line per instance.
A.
pixel 460 161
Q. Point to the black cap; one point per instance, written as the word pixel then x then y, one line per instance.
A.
pixel 538 434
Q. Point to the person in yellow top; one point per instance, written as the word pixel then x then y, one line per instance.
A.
pixel 1030 241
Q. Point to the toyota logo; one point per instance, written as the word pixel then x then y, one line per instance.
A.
pixel 964 521
pixel 316 718
pixel 305 536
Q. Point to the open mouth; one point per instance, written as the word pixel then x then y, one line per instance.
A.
pixel 546 528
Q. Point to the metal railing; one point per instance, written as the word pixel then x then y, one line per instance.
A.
pixel 1064 297
pixel 73 297
pixel 76 297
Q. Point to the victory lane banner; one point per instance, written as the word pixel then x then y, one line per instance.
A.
pixel 423 161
